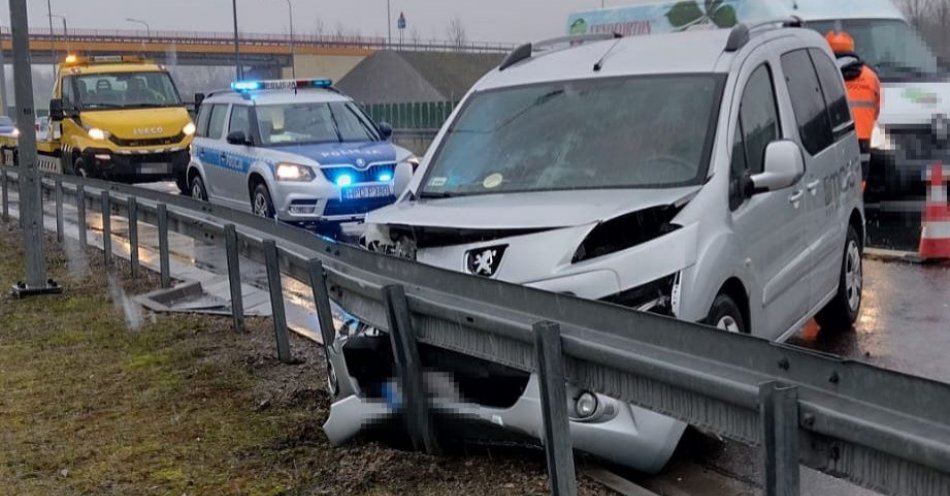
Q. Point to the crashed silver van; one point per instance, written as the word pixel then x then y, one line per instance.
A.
pixel 711 176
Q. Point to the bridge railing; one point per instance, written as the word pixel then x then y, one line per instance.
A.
pixel 415 116
pixel 165 37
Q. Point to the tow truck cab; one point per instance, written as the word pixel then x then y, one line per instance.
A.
pixel 118 118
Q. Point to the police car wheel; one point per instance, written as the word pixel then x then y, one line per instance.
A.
pixel 261 202
pixel 197 189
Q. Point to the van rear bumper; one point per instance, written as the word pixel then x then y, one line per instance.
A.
pixel 135 167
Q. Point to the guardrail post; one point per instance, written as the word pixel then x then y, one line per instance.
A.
pixel 6 194
pixel 81 216
pixel 416 412
pixel 778 407
pixel 58 192
pixel 134 236
pixel 278 311
pixel 234 277
pixel 106 228
pixel 163 262
pixel 557 430
pixel 321 300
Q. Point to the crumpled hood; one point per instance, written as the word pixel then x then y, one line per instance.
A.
pixel 914 103
pixel 540 210
pixel 137 124
pixel 355 154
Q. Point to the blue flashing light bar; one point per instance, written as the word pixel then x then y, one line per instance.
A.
pixel 283 84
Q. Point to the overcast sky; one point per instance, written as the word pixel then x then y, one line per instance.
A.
pixel 484 20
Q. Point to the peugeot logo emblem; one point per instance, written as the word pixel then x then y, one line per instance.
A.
pixel 485 261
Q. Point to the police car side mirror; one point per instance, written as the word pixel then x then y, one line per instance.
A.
pixel 784 166
pixel 56 113
pixel 385 130
pixel 237 138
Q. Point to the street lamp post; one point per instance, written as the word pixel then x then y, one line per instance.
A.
pixel 237 50
pixel 389 21
pixel 65 31
pixel 293 50
pixel 148 30
pixel 52 44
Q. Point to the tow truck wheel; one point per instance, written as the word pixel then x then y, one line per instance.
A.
pixel 198 191
pixel 80 168
pixel 261 202
pixel 183 186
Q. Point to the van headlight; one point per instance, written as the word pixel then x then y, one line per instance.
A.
pixel 881 140
pixel 189 129
pixel 294 173
pixel 98 134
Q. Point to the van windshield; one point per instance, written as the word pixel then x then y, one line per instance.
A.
pixel 121 90
pixel 639 132
pixel 890 46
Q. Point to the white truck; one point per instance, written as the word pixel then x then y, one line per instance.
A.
pixel 916 87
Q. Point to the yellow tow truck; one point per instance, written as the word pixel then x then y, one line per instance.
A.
pixel 118 118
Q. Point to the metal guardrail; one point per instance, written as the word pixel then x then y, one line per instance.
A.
pixel 880 429
pixel 259 39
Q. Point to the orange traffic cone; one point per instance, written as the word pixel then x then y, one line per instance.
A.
pixel 935 238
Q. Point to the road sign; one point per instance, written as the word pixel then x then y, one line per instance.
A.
pixel 401 23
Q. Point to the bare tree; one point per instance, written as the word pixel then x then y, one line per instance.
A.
pixel 339 30
pixel 415 37
pixel 319 28
pixel 456 33
pixel 941 20
pixel 917 11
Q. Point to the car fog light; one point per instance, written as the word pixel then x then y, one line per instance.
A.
pixel 585 405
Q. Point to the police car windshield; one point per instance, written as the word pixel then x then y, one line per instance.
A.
pixel 121 90
pixel 307 123
pixel 640 132
pixel 890 46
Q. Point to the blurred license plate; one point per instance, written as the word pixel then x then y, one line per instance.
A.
pixel 154 168
pixel 368 191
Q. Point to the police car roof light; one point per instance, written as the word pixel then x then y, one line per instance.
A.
pixel 282 84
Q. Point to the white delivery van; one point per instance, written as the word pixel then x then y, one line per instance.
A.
pixel 916 88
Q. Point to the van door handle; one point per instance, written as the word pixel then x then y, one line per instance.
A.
pixel 813 187
pixel 796 197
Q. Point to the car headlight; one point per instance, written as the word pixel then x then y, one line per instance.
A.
pixel 189 129
pixel 16 132
pixel 294 173
pixel 880 140
pixel 98 134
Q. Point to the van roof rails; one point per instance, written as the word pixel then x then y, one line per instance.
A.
pixel 741 32
pixel 527 50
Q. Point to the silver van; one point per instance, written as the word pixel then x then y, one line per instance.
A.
pixel 713 176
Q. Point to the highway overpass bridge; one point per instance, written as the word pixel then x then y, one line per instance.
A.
pixel 264 55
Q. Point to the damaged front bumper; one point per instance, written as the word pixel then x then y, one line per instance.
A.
pixel 601 426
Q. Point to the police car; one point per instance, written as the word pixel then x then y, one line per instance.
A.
pixel 298 151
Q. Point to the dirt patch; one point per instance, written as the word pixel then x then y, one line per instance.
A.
pixel 181 404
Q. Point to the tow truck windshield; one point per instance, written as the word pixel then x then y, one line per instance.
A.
pixel 120 91
pixel 890 46
pixel 640 132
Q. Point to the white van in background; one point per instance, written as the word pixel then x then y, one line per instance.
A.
pixel 916 89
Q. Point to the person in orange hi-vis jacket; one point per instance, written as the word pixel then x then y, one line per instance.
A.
pixel 864 91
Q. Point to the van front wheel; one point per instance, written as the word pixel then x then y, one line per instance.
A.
pixel 842 311
pixel 725 315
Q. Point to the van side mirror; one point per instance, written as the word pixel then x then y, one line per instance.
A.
pixel 385 130
pixel 237 138
pixel 56 110
pixel 199 99
pixel 784 166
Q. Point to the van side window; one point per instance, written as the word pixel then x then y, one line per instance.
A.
pixel 836 98
pixel 216 122
pixel 808 101
pixel 204 118
pixel 758 126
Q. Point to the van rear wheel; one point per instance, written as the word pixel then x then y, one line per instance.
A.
pixel 842 311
